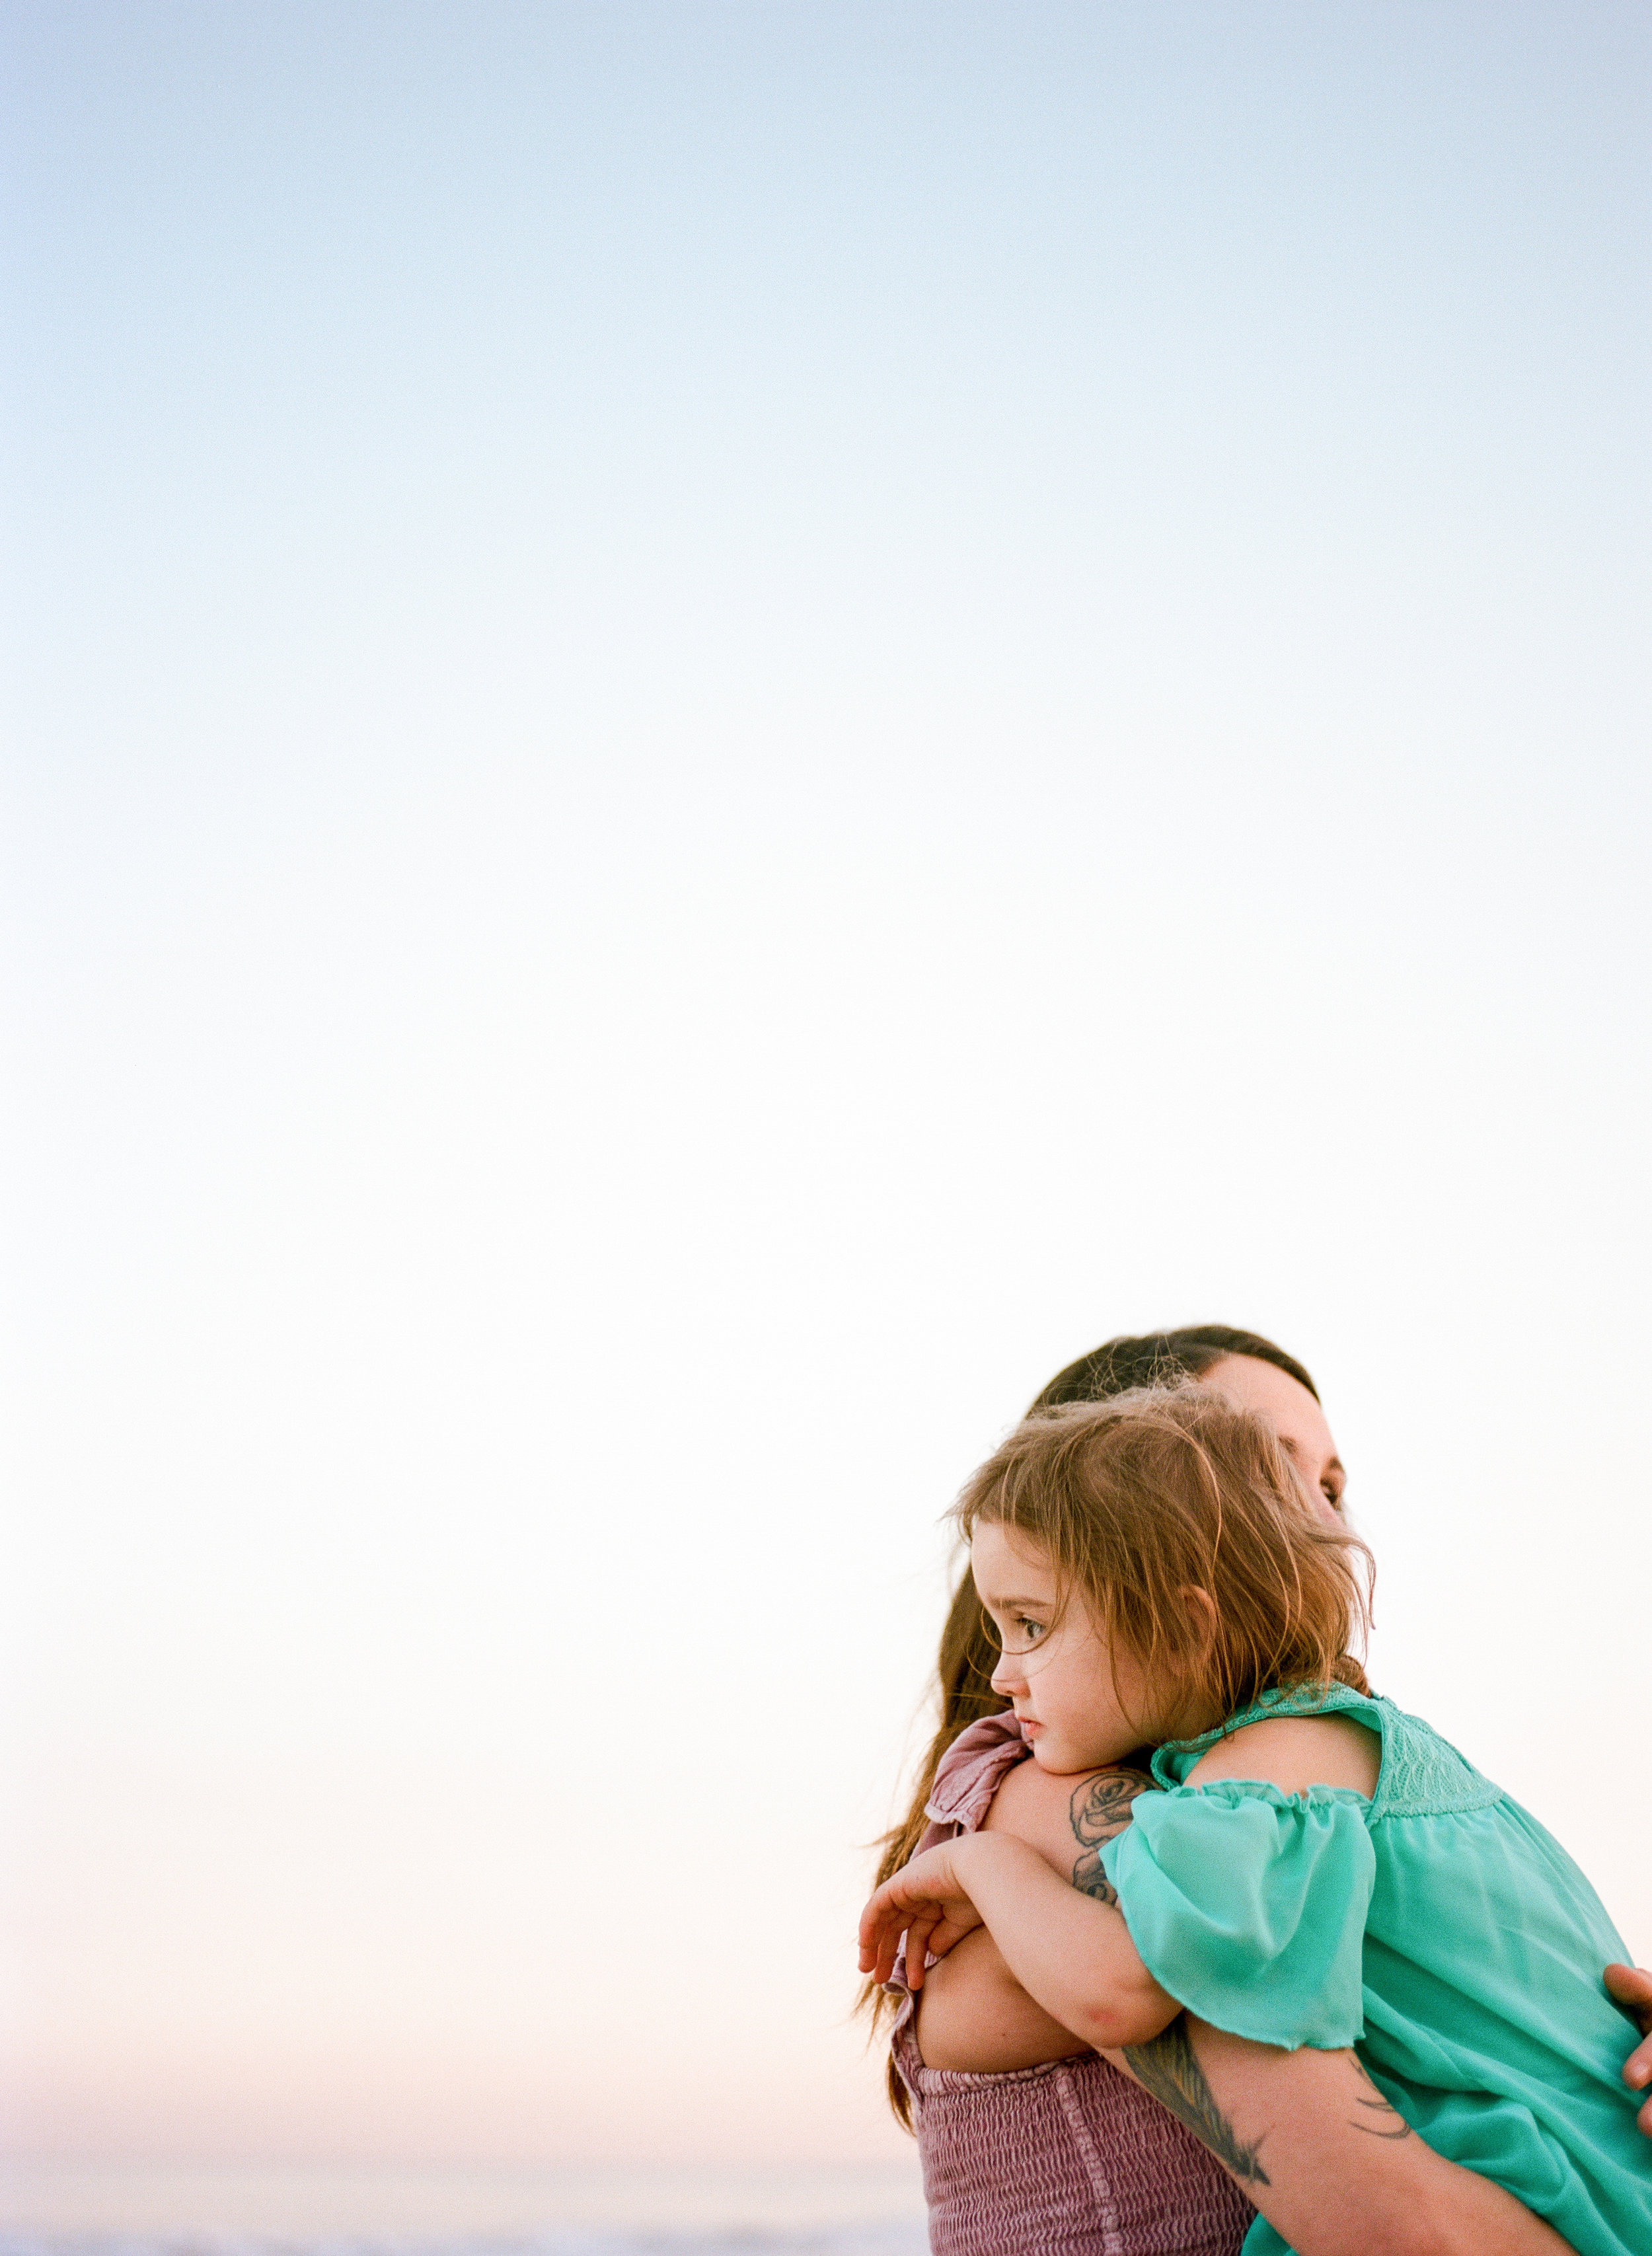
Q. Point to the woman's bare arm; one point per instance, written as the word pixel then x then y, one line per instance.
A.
pixel 1309 2139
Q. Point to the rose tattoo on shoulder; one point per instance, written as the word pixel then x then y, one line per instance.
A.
pixel 1100 1809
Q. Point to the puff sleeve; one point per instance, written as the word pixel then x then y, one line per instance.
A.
pixel 1249 1906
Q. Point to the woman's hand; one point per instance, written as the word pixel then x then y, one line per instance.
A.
pixel 928 1902
pixel 1631 1987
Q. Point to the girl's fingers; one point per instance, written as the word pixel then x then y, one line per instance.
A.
pixel 888 1951
pixel 882 1907
pixel 881 1929
pixel 918 1944
pixel 882 1925
pixel 874 1921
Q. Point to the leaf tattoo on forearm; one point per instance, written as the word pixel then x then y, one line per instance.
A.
pixel 1167 2067
pixel 1388 2116
pixel 1100 1808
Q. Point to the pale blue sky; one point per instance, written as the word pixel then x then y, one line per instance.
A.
pixel 730 724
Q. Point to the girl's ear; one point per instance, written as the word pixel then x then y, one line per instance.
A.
pixel 1201 1612
pixel 1200 1703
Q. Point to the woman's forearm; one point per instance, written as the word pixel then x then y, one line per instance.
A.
pixel 1329 2164
pixel 1069 1952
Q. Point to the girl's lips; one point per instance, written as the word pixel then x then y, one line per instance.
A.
pixel 1029 1725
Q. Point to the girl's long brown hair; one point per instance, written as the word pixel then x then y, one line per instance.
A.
pixel 969 1651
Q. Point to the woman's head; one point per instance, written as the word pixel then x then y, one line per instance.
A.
pixel 1134 1359
pixel 1158 1549
pixel 1294 1413
pixel 1244 1366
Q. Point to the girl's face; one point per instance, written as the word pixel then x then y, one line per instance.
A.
pixel 1295 1416
pixel 1081 1701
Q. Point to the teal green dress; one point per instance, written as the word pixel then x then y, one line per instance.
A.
pixel 1435 1928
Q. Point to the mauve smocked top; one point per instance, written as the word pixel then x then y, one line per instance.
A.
pixel 1067 2158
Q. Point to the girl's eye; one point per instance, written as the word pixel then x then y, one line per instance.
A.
pixel 1027 1632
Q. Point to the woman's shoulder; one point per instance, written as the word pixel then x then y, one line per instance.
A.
pixel 1066 1816
pixel 1296 1753
pixel 971 1771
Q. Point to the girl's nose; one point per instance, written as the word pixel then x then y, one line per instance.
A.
pixel 1009 1677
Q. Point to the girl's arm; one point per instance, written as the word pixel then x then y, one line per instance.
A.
pixel 1072 1953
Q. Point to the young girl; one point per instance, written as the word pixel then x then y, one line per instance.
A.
pixel 1322 1872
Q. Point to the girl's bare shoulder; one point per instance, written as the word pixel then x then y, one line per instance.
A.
pixel 1294 1752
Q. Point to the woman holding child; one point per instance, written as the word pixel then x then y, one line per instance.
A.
pixel 1329 1972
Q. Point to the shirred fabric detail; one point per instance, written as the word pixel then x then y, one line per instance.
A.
pixel 1249 1906
pixel 1067 2158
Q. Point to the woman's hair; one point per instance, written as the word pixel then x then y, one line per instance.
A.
pixel 1166 1491
pixel 1158 1359
pixel 969 1650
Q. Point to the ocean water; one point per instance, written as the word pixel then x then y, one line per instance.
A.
pixel 908 2239
pixel 154 2209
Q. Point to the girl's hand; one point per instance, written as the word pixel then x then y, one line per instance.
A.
pixel 928 1902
